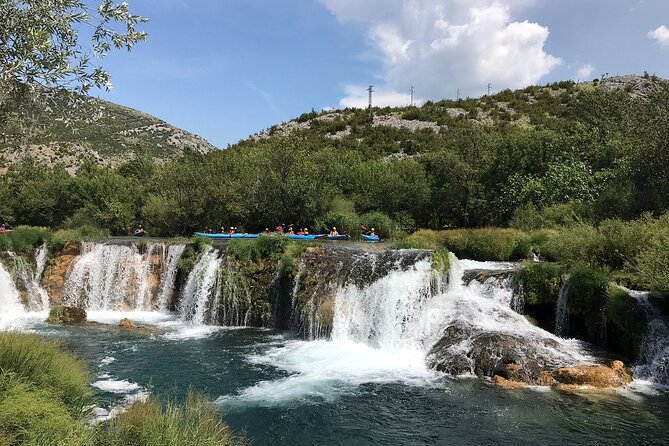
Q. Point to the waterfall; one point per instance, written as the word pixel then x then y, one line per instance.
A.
pixel 235 299
pixel 28 279
pixel 169 274
pixel 653 355
pixel 200 291
pixel 11 307
pixel 561 315
pixel 117 278
pixel 296 288
pixel 400 310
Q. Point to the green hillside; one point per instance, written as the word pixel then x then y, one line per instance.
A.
pixel 95 130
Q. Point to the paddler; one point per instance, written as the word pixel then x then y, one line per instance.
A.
pixel 305 231
pixel 334 232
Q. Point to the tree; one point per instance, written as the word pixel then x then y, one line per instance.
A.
pixel 42 46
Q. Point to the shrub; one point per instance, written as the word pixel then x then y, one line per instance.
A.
pixel 24 238
pixel 489 244
pixel 423 239
pixel 148 423
pixel 257 249
pixel 624 332
pixel 588 295
pixel 345 222
pixel 385 227
pixel 80 234
pixel 653 266
pixel 541 283
pixel 581 243
pixel 44 365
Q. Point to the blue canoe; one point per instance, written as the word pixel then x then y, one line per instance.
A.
pixel 338 237
pixel 370 238
pixel 226 236
pixel 306 237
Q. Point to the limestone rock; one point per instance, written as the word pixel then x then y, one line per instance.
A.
pixel 67 315
pixel 126 323
pixel 53 280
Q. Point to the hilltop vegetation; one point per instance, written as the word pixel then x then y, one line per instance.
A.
pixel 72 131
pixel 531 158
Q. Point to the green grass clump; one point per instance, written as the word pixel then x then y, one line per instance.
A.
pixel 80 234
pixel 254 250
pixel 44 365
pixel 152 423
pixel 588 296
pixel 423 239
pixel 32 416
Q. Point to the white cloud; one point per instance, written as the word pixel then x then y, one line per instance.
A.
pixel 441 46
pixel 357 96
pixel 661 34
pixel 585 72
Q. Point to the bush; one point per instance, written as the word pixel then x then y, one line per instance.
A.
pixel 264 247
pixel 80 234
pixel 653 266
pixel 423 239
pixel 623 331
pixel 24 238
pixel 541 283
pixel 44 365
pixel 490 244
pixel 587 297
pixel 580 243
pixel 150 423
pixel 345 222
pixel 385 227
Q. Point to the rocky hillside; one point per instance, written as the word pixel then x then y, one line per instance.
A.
pixel 399 132
pixel 61 131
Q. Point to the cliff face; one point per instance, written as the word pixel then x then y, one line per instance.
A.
pixel 56 272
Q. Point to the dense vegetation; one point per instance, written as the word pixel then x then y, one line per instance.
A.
pixel 45 399
pixel 530 158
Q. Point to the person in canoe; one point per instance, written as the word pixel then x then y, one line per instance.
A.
pixel 291 231
pixel 232 230
pixel 334 232
pixel 372 232
pixel 305 231
pixel 139 232
pixel 279 229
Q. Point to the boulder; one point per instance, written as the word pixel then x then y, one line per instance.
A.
pixel 67 315
pixel 126 323
pixel 599 376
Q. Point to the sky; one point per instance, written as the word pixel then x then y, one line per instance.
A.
pixel 226 69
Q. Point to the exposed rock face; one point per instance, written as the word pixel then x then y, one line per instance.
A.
pixel 56 271
pixel 636 86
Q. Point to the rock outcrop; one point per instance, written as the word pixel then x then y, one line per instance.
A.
pixel 56 271
pixel 67 315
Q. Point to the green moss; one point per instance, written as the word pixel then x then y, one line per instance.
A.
pixel 588 297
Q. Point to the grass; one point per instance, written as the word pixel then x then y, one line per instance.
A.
pixel 152 423
pixel 24 239
pixel 43 364
pixel 45 393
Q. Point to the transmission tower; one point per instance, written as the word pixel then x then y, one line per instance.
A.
pixel 370 90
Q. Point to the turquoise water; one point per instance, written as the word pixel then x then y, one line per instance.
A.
pixel 278 390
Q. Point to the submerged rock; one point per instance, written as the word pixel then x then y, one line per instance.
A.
pixel 127 324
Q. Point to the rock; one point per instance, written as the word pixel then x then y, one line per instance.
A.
pixel 508 384
pixel 598 376
pixel 126 323
pixel 53 280
pixel 67 315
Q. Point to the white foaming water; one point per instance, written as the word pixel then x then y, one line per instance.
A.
pixel 382 333
pixel 200 290
pixel 561 315
pixel 653 364
pixel 113 277
pixel 11 308
pixel 116 386
pixel 170 267
pixel 139 317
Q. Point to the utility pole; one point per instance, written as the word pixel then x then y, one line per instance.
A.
pixel 458 95
pixel 370 90
pixel 411 92
pixel 489 87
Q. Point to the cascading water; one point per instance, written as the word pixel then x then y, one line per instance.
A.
pixel 169 274
pixel 653 356
pixel 118 278
pixel 199 293
pixel 10 301
pixel 561 315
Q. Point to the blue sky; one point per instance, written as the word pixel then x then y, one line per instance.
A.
pixel 225 69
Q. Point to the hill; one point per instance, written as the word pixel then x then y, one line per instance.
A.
pixel 94 130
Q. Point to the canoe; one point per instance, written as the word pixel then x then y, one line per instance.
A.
pixel 306 237
pixel 226 236
pixel 339 237
pixel 370 238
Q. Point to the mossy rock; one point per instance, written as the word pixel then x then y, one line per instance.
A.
pixel 67 315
